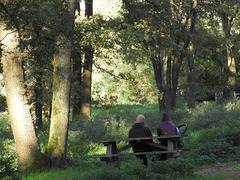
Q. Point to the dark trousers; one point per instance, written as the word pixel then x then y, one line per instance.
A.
pixel 144 159
pixel 164 142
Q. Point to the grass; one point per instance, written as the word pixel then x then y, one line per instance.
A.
pixel 70 173
pixel 116 121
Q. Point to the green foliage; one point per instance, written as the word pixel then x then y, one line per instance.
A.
pixel 210 114
pixel 104 173
pixel 5 128
pixel 130 169
pixel 83 133
pixel 8 162
pixel 173 168
pixel 209 141
pixel 214 133
pixel 8 157
pixel 3 103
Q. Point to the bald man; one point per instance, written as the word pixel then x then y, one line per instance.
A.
pixel 139 130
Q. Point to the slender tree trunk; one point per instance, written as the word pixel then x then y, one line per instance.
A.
pixel 191 59
pixel 226 25
pixel 77 75
pixel 19 111
pixel 87 69
pixel 57 144
pixel 87 83
pixel 38 104
pixel 177 62
pixel 191 79
pixel 169 99
pixel 76 87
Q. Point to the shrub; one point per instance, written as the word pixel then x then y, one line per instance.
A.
pixel 108 173
pixel 5 128
pixel 215 145
pixel 172 168
pixel 8 157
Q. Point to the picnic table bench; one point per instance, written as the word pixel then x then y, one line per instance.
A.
pixel 113 151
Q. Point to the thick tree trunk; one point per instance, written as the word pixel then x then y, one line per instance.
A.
pixel 19 111
pixel 60 103
pixel 57 144
pixel 177 63
pixel 164 87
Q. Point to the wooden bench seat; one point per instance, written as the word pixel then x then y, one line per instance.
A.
pixel 113 152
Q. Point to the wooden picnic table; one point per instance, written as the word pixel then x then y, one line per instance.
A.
pixel 113 151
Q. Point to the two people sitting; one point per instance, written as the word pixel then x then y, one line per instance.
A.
pixel 140 130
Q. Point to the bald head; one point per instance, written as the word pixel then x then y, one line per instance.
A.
pixel 140 118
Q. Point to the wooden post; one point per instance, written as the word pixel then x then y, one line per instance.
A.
pixel 111 149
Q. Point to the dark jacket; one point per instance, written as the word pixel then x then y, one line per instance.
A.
pixel 139 130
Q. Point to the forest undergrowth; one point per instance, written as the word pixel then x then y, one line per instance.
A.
pixel 213 140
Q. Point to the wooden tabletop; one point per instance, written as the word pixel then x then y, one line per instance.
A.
pixel 141 138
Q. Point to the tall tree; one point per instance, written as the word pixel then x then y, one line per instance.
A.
pixel 166 34
pixel 228 12
pixel 57 143
pixel 19 111
pixel 86 83
pixel 191 58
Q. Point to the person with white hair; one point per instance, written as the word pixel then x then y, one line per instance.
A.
pixel 139 130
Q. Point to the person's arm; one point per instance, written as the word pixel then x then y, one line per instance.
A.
pixel 130 135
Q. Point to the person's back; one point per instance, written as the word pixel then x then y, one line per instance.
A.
pixel 166 128
pixel 139 130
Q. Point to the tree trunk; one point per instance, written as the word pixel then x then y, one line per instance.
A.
pixel 169 97
pixel 175 73
pixel 226 25
pixel 87 83
pixel 177 63
pixel 191 59
pixel 76 87
pixel 19 111
pixel 191 79
pixel 87 69
pixel 38 104
pixel 57 143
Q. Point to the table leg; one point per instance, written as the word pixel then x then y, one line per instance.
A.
pixel 111 150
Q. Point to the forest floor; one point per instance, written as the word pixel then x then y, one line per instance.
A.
pixel 234 170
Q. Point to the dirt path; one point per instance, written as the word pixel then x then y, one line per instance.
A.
pixel 234 170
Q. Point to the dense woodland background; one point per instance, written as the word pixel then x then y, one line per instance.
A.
pixel 73 72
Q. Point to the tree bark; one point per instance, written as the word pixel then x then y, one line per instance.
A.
pixel 226 26
pixel 38 101
pixel 27 148
pixel 191 59
pixel 87 83
pixel 57 144
pixel 87 69
pixel 77 81
pixel 191 79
